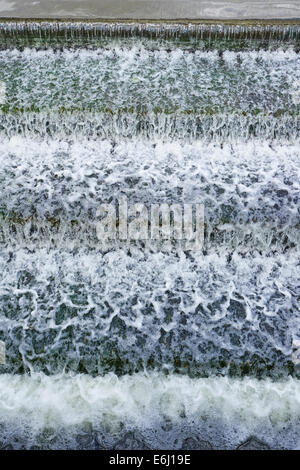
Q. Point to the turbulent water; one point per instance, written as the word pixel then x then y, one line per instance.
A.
pixel 136 345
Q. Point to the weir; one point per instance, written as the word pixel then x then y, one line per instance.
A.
pixel 140 341
pixel 202 35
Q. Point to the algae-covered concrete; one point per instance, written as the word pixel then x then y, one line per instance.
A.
pixel 151 9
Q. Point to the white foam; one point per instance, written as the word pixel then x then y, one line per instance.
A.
pixel 142 401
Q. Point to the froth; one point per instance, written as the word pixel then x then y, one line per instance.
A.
pixel 144 402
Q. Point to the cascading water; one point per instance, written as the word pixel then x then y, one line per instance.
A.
pixel 133 346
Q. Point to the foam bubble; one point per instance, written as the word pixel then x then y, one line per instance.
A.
pixel 144 402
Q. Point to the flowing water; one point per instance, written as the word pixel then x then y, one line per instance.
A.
pixel 134 346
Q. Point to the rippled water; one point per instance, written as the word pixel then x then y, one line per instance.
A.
pixel 212 335
pixel 151 9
